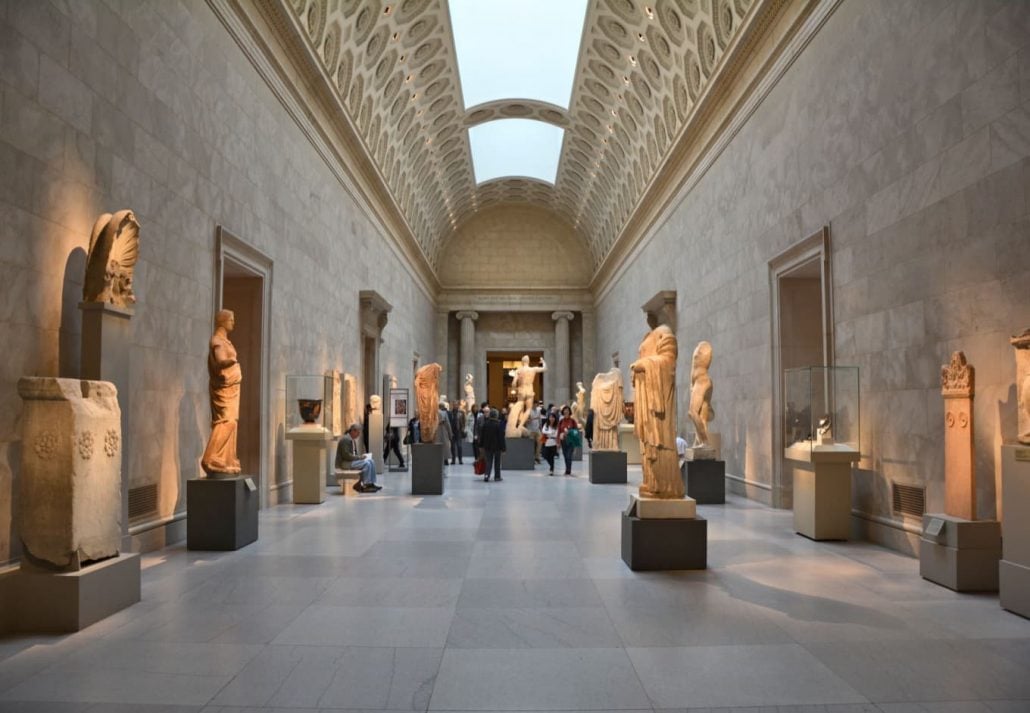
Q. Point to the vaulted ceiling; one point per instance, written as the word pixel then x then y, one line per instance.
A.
pixel 644 66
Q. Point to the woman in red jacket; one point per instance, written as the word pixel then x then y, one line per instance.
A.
pixel 566 422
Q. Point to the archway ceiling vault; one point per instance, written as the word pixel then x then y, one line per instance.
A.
pixel 643 67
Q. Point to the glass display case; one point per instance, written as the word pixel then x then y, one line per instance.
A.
pixel 821 411
pixel 309 402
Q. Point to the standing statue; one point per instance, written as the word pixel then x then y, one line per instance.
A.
pixel 579 406
pixel 523 379
pixel 470 405
pixel 113 251
pixel 427 398
pixel 701 411
pixel 225 377
pixel 1022 345
pixel 654 388
pixel 606 401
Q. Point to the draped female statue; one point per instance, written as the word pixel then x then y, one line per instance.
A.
pixel 606 401
pixel 654 389
pixel 225 377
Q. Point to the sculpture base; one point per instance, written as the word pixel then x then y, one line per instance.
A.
pixel 222 513
pixel 1014 587
pixel 701 454
pixel 705 481
pixel 577 454
pixel 310 449
pixel 629 443
pixel 661 508
pixel 664 544
pixel 521 454
pixel 1014 570
pixel 608 467
pixel 962 555
pixel 427 469
pixel 822 496
pixel 466 449
pixel 62 602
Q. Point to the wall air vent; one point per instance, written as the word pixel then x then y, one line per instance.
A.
pixel 142 501
pixel 908 499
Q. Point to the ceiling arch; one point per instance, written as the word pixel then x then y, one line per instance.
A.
pixel 643 68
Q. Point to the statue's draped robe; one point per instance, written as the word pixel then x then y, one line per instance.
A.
pixel 427 396
pixel 224 387
pixel 606 401
pixel 655 423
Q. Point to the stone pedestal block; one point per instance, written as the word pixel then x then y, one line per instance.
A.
pixel 607 467
pixel 822 496
pixel 577 454
pixel 427 469
pixel 519 456
pixel 310 444
pixel 70 486
pixel 959 554
pixel 466 449
pixel 1014 570
pixel 222 513
pixel 629 443
pixel 62 602
pixel 661 508
pixel 664 544
pixel 705 481
pixel 375 440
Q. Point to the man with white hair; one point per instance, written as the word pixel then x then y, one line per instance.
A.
pixel 349 455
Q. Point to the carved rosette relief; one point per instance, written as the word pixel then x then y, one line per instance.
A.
pixel 957 377
pixel 111 440
pixel 45 445
pixel 85 443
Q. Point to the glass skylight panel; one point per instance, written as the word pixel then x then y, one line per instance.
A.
pixel 517 49
pixel 515 147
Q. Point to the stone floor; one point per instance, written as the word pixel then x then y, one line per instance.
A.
pixel 512 596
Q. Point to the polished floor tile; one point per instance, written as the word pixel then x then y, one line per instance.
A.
pixel 514 596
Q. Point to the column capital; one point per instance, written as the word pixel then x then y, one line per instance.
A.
pixel 562 315
pixel 467 314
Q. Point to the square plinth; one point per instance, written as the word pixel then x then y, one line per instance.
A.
pixel 521 454
pixel 61 602
pixel 309 466
pixel 962 555
pixel 1014 587
pixel 1015 495
pixel 822 500
pixel 661 508
pixel 221 513
pixel 607 467
pixel 705 481
pixel 664 544
pixel 427 469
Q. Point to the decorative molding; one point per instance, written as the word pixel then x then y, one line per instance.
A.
pixel 958 378
pixel 661 309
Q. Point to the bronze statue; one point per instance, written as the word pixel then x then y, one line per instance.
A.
pixel 113 252
pixel 225 377
pixel 654 387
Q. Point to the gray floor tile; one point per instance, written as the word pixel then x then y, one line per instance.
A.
pixel 563 627
pixel 321 625
pixel 392 592
pixel 528 593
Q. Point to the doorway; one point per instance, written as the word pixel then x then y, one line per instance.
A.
pixel 499 388
pixel 802 326
pixel 244 286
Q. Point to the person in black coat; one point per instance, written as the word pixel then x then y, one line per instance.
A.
pixel 589 430
pixel 492 444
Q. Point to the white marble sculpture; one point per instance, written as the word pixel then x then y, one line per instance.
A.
pixel 654 389
pixel 69 488
pixel 113 252
pixel 224 382
pixel 579 406
pixel 523 379
pixel 470 404
pixel 376 402
pixel 701 411
pixel 606 400
pixel 1022 345
pixel 427 399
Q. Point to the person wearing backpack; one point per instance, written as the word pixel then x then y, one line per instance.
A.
pixel 568 436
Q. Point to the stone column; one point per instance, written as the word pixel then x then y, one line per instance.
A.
pixel 466 353
pixel 562 394
pixel 589 347
pixel 442 319
pixel 957 388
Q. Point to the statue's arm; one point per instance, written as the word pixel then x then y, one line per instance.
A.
pixel 224 357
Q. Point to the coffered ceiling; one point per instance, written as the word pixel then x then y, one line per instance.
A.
pixel 644 68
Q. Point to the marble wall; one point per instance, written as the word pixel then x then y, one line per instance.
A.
pixel 905 127
pixel 151 105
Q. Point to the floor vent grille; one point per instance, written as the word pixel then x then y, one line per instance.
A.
pixel 142 501
pixel 908 499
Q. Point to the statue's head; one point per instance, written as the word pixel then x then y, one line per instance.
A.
pixel 468 378
pixel 376 401
pixel 525 360
pixel 225 319
pixel 702 355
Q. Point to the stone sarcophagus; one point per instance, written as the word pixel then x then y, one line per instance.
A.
pixel 69 502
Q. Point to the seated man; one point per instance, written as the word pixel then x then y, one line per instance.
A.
pixel 349 455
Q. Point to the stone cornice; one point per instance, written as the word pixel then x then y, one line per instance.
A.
pixel 269 39
pixel 507 300
pixel 778 33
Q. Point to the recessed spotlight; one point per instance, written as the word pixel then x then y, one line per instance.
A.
pixel 633 60
pixel 396 36
pixel 625 80
pixel 649 12
pixel 388 9
pixel 409 77
pixel 640 36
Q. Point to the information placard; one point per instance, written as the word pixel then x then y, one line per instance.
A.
pixel 398 408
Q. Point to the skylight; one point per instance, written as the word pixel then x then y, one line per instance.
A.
pixel 517 49
pixel 515 147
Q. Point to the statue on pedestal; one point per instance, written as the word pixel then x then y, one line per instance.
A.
pixel 701 411
pixel 427 398
pixel 1022 345
pixel 113 252
pixel 579 406
pixel 654 387
pixel 225 378
pixel 606 401
pixel 523 379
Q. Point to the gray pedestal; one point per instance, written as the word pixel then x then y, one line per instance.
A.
pixel 466 449
pixel 822 496
pixel 607 467
pixel 1014 570
pixel 963 556
pixel 61 602
pixel 221 513
pixel 427 469
pixel 521 454
pixel 705 481
pixel 662 544
pixel 577 454
pixel 629 443
pixel 375 440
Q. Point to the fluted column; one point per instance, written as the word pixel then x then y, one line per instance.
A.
pixel 466 355
pixel 562 392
